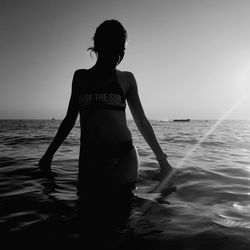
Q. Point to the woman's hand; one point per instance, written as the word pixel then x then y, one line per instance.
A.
pixel 165 170
pixel 45 163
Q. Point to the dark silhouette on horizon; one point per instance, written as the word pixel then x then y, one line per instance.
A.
pixel 181 120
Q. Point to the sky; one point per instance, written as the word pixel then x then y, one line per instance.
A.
pixel 191 58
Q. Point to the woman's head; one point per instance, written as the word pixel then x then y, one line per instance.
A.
pixel 110 40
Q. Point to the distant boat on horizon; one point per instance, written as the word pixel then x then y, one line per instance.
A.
pixel 181 120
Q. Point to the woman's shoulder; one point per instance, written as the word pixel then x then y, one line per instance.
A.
pixel 79 72
pixel 78 77
pixel 127 80
pixel 127 77
pixel 125 74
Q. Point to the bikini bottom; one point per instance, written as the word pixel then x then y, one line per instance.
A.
pixel 97 163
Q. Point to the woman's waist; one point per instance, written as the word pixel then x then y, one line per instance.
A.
pixel 104 125
pixel 100 136
pixel 107 146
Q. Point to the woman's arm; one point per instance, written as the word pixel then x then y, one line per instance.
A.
pixel 65 127
pixel 144 125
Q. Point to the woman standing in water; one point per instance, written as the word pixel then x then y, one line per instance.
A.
pixel 108 162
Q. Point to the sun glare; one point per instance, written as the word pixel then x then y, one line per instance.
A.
pixel 189 154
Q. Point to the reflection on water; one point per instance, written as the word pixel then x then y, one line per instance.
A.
pixel 234 215
pixel 208 206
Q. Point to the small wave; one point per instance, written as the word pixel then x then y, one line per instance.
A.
pixel 194 141
pixel 213 143
pixel 8 161
pixel 232 215
pixel 181 141
pixel 25 140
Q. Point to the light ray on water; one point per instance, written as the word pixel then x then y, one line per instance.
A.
pixel 168 178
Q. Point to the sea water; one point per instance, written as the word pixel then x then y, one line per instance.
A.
pixel 210 208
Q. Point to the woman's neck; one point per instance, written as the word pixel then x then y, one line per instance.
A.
pixel 107 64
pixel 103 67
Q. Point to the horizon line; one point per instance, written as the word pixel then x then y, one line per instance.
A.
pixel 131 119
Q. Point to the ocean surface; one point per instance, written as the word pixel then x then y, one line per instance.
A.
pixel 210 208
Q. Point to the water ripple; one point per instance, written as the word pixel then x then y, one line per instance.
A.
pixel 209 207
